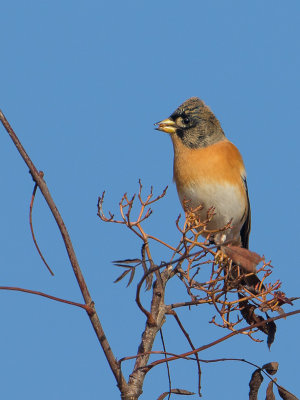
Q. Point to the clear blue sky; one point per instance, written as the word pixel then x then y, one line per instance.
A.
pixel 82 84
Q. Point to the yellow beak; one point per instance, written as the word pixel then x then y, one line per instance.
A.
pixel 167 125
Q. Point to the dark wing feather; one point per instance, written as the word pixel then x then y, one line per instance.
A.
pixel 251 281
pixel 245 231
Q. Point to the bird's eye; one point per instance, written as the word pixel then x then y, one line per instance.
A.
pixel 185 120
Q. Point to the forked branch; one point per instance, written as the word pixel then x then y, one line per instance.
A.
pixel 37 177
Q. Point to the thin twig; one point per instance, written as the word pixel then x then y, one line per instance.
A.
pixel 86 307
pixel 167 364
pixel 32 231
pixel 192 346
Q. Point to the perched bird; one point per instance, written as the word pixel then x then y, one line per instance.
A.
pixel 209 170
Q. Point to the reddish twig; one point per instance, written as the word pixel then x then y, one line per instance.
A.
pixel 222 339
pixel 128 358
pixel 86 307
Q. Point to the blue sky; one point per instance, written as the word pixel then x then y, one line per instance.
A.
pixel 82 84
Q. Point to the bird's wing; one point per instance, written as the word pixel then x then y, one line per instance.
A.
pixel 245 231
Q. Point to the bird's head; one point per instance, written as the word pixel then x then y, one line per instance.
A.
pixel 194 123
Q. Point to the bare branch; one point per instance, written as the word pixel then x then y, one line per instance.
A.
pixel 71 254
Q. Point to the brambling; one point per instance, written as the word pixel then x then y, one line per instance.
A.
pixel 209 171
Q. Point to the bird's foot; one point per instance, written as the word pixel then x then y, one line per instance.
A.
pixel 220 257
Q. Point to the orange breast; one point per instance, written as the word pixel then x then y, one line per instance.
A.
pixel 217 163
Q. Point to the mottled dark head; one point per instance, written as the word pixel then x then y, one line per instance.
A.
pixel 194 123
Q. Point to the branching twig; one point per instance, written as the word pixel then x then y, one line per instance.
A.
pixel 71 254
pixel 222 339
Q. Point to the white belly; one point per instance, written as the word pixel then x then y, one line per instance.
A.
pixel 227 202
